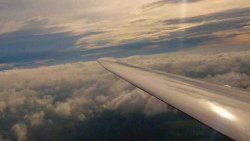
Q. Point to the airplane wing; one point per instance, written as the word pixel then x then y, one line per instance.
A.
pixel 224 109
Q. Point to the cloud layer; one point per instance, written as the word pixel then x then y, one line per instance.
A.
pixel 33 97
pixel 221 68
pixel 46 96
pixel 69 31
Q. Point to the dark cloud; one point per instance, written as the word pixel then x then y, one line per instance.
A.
pixel 32 45
pixel 180 1
pixel 231 14
pixel 227 23
pixel 210 28
pixel 164 2
pixel 113 126
pixel 236 19
pixel 231 23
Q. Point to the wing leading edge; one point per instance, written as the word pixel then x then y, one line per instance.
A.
pixel 224 109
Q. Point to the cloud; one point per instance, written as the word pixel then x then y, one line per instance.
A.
pixel 83 88
pixel 63 109
pixel 129 102
pixel 29 46
pixel 3 139
pixel 157 107
pixel 21 131
pixel 160 3
pixel 212 23
pixel 71 31
pixel 46 97
pixel 81 117
pixel 35 119
pixel 221 68
pixel 67 90
pixel 217 16
pixel 181 1
pixel 207 29
pixel 40 96
pixel 236 79
pixel 61 45
pixel 2 106
pixel 122 29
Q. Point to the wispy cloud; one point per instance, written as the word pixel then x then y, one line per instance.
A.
pixel 164 2
pixel 218 16
pixel 87 30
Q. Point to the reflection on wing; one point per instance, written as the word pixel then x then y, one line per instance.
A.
pixel 225 109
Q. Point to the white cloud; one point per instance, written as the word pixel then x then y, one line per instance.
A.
pixel 231 68
pixel 68 90
pixel 154 107
pixel 79 90
pixel 85 87
pixel 133 101
pixel 20 131
pixel 2 106
pixel 63 109
pixel 36 118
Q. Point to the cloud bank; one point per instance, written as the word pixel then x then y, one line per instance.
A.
pixel 71 94
pixel 221 68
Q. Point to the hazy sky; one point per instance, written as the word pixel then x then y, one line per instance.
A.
pixel 71 30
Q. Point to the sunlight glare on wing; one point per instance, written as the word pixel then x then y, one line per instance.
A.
pixel 222 112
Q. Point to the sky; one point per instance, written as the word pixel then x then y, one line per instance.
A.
pixel 44 32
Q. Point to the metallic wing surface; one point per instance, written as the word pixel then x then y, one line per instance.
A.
pixel 222 108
